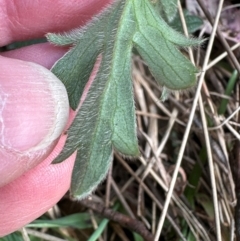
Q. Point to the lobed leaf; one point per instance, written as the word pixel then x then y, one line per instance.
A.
pixel 169 67
pixel 147 17
pixel 155 41
pixel 75 67
pixel 106 119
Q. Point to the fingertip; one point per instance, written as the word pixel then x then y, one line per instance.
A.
pixel 23 20
pixel 34 110
pixel 44 54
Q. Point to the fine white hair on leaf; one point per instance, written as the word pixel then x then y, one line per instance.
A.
pixel 105 118
pixel 73 36
pixel 94 185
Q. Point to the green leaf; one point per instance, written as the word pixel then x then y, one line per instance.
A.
pixel 169 67
pixel 77 220
pixel 105 121
pixel 155 41
pixel 147 17
pixel 75 67
pixel 169 9
pixel 193 22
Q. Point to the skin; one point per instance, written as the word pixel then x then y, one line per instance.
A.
pixel 30 185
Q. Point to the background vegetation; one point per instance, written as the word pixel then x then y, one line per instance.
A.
pixel 202 170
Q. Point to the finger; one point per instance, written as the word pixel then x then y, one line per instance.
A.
pixel 25 19
pixel 31 195
pixel 43 54
pixel 33 113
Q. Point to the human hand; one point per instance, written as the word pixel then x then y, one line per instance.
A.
pixel 33 103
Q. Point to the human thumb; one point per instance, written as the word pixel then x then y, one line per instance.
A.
pixel 34 110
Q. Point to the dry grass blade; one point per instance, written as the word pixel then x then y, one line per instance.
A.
pixel 186 134
pixel 25 234
pixel 222 56
pixel 223 40
pixel 43 236
pixel 148 191
pixel 211 168
pixel 188 215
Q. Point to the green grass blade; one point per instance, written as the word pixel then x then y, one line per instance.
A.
pixel 230 86
pixel 137 237
pixel 102 226
pixel 78 220
pixel 16 236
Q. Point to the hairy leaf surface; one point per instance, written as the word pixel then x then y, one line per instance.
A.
pixel 105 121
